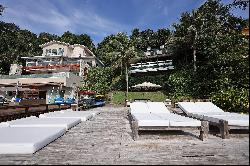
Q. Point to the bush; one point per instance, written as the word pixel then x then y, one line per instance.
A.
pixel 232 99
pixel 179 83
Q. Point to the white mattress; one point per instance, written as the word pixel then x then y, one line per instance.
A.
pixel 189 107
pixel 149 120
pixel 208 107
pixel 7 123
pixel 165 119
pixel 84 116
pixel 157 107
pixel 81 112
pixel 27 140
pixel 67 123
pixel 234 120
pixel 139 107
pixel 178 120
pixel 4 124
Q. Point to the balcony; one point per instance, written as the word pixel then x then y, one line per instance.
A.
pixel 52 67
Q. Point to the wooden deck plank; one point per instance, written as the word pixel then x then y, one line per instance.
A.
pixel 107 139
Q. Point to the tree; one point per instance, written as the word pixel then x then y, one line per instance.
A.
pixel 82 39
pixel 15 43
pixel 221 50
pixel 45 37
pixel 69 37
pixel 102 79
pixel 148 38
pixel 85 39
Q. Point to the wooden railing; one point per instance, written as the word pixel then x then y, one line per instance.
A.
pixel 20 111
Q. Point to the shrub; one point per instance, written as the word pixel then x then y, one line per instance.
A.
pixel 232 99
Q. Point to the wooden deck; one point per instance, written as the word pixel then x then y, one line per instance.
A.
pixel 107 139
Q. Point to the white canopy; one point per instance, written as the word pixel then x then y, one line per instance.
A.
pixel 146 85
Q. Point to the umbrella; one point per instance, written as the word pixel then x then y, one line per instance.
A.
pixel 146 85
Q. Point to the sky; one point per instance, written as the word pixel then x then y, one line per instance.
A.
pixel 98 18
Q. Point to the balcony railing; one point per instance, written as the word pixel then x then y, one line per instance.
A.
pixel 50 67
pixel 57 75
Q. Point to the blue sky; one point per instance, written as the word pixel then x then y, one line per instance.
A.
pixel 98 18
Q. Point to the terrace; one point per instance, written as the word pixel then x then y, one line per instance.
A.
pixel 106 139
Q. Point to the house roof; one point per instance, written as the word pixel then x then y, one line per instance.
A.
pixel 54 42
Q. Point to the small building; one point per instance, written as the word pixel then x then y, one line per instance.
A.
pixel 58 72
pixel 39 86
pixel 62 57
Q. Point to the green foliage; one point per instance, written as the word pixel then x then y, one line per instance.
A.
pixel 99 80
pixel 180 83
pixel 221 52
pixel 110 50
pixel 119 96
pixel 46 37
pixel 14 44
pixel 82 39
pixel 149 38
pixel 232 99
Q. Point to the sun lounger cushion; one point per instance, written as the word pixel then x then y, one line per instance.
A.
pixel 208 107
pixel 233 120
pixel 149 120
pixel 67 123
pixel 4 124
pixel 189 107
pixel 157 107
pixel 139 107
pixel 178 120
pixel 81 112
pixel 27 140
pixel 84 116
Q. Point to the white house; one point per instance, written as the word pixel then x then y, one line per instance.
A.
pixel 59 56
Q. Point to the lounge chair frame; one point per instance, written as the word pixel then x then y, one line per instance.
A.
pixel 220 123
pixel 204 128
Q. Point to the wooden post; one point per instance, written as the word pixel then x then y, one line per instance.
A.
pixel 224 129
pixel 26 109
pixel 204 130
pixel 135 130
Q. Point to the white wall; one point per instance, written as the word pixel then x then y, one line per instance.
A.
pixel 77 51
pixel 67 50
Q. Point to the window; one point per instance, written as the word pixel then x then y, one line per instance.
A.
pixel 54 51
pixel 60 51
pixel 48 51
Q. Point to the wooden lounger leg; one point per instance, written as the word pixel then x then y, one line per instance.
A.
pixel 224 129
pixel 135 130
pixel 204 130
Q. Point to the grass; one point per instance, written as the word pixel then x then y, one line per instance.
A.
pixel 119 96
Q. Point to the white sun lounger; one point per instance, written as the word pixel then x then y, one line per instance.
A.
pixel 215 116
pixel 139 107
pixel 156 116
pixel 208 109
pixel 157 107
pixel 87 112
pixel 84 116
pixel 27 140
pixel 67 123
pixel 146 120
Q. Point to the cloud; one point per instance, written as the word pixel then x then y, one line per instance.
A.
pixel 46 16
